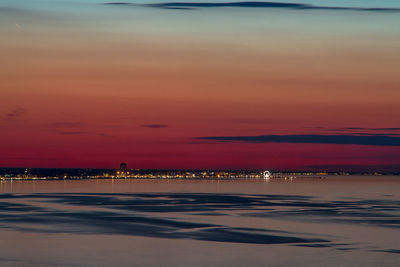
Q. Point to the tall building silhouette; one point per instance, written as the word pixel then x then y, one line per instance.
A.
pixel 123 167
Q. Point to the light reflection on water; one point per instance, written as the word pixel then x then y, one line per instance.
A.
pixel 178 222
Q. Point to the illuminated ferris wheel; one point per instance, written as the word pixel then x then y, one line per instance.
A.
pixel 267 175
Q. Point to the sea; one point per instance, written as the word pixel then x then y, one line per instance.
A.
pixel 325 221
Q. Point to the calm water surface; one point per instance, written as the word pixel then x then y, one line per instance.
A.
pixel 337 221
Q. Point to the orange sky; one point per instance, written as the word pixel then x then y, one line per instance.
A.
pixel 76 95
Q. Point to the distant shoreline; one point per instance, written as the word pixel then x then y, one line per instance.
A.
pixel 273 178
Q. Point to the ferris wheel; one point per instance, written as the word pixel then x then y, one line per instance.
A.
pixel 267 175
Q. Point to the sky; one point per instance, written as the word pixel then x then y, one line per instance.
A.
pixel 291 85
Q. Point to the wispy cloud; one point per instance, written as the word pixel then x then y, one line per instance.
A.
pixel 64 124
pixel 376 134
pixel 16 113
pixel 370 140
pixel 252 4
pixel 155 126
pixel 83 133
pixel 73 128
pixel 361 129
pixel 374 129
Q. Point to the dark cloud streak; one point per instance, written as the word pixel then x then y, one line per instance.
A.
pixel 155 126
pixel 370 140
pixel 252 4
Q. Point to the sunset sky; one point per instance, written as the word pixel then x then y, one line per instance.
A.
pixel 90 83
